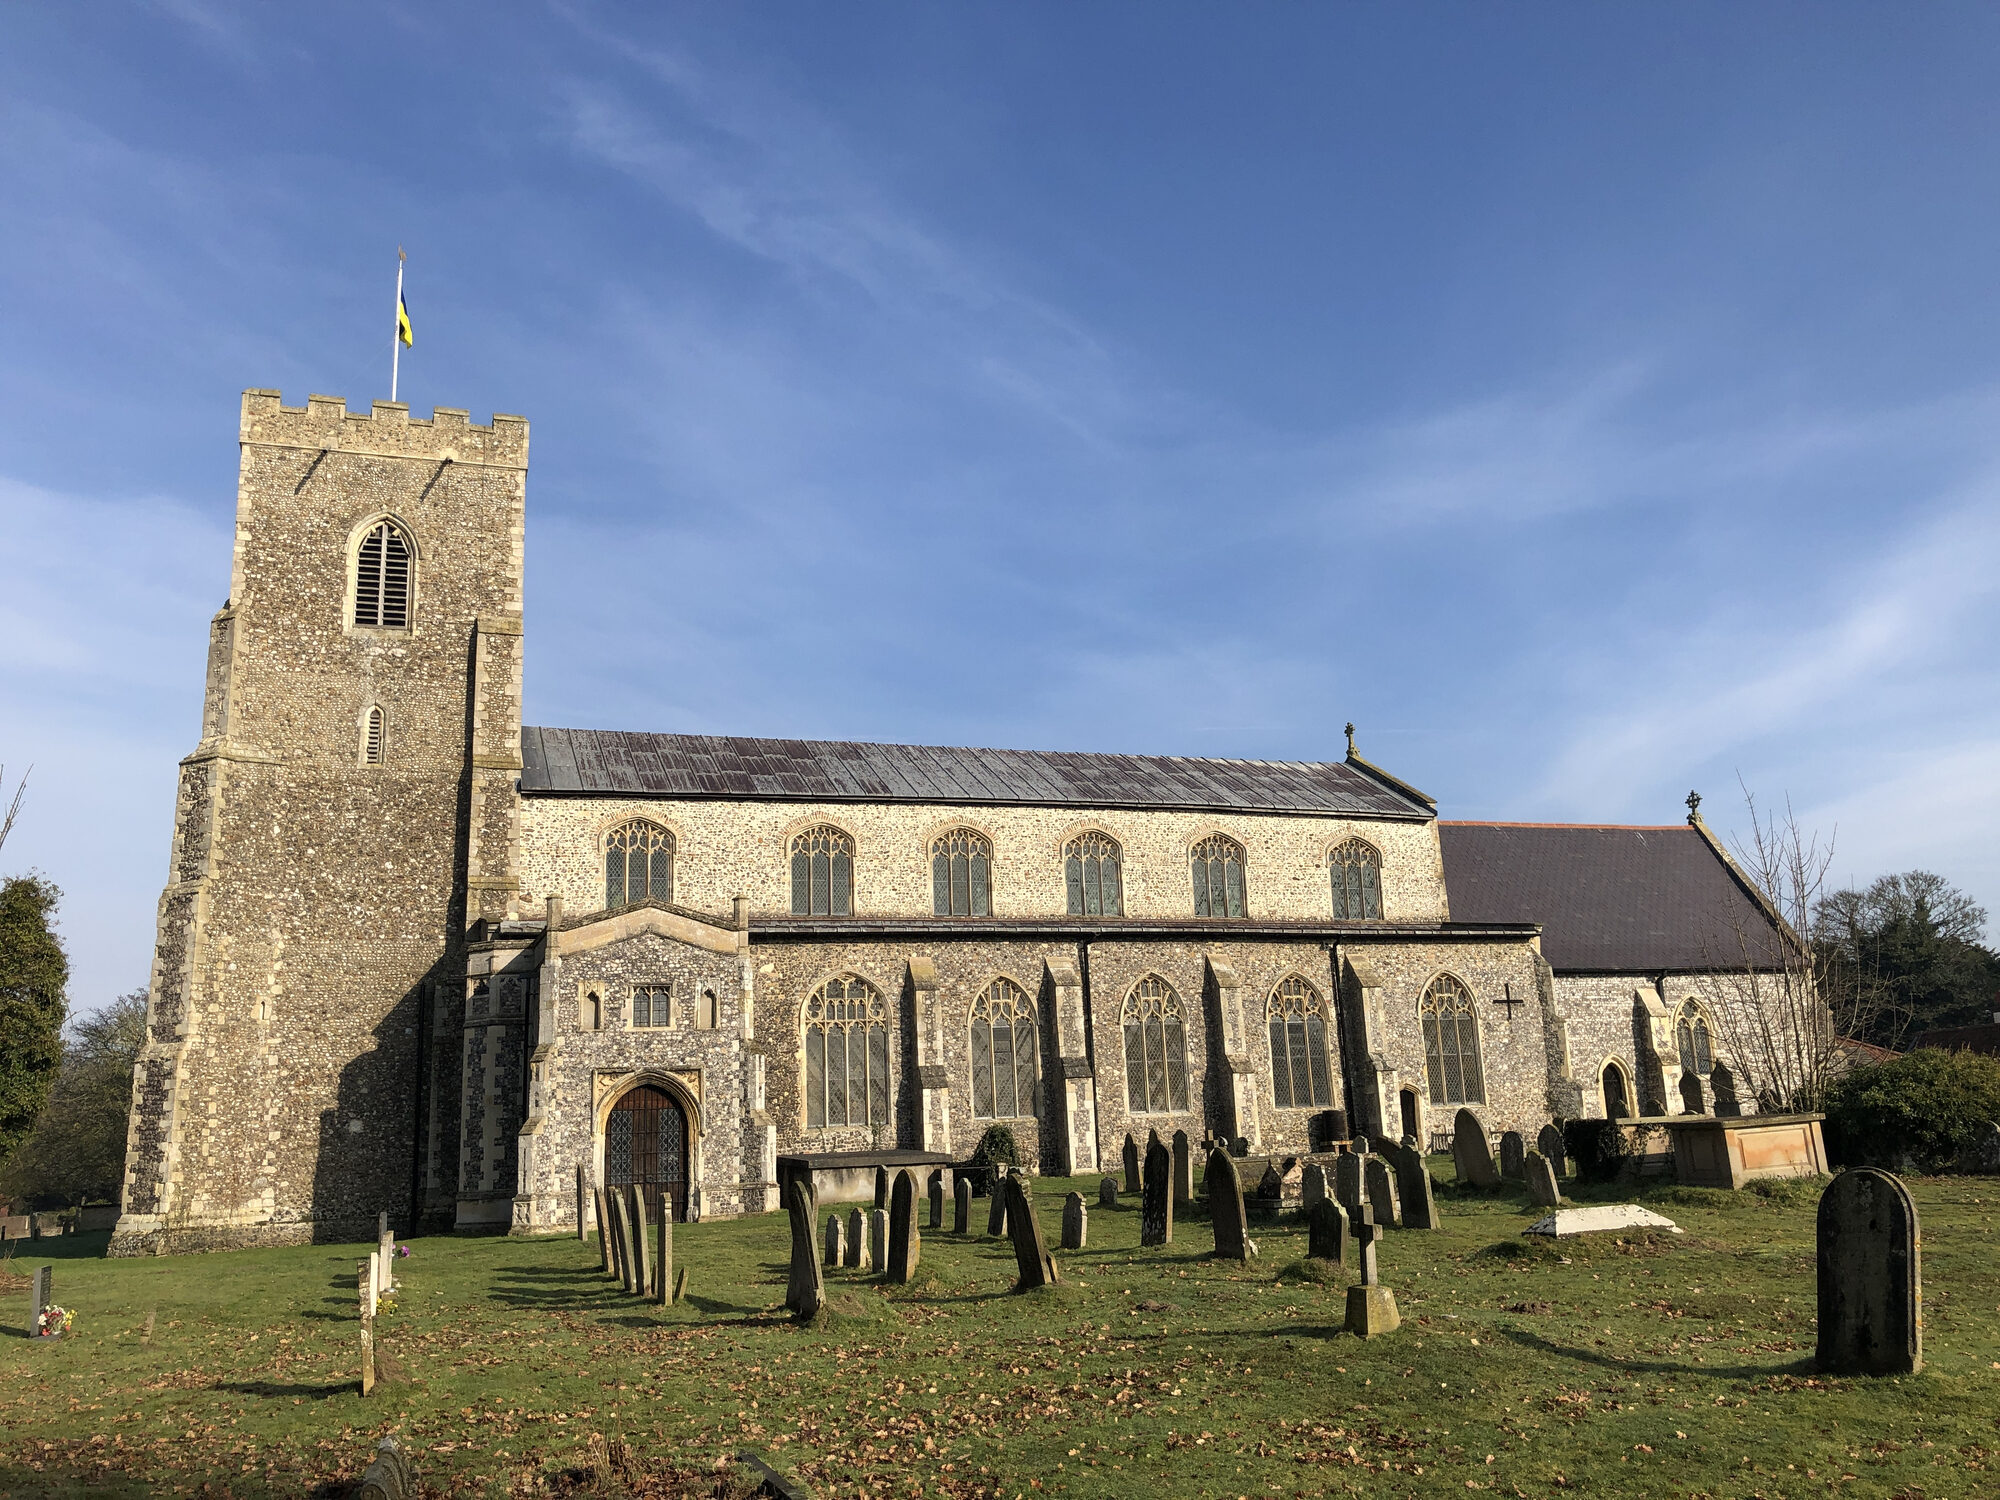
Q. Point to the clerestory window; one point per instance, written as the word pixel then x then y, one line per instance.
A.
pixel 382 578
pixel 1357 882
pixel 1091 872
pixel 638 863
pixel 962 875
pixel 823 873
pixel 1217 866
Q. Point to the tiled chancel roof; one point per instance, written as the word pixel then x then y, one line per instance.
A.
pixel 1610 900
pixel 599 762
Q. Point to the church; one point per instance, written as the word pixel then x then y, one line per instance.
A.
pixel 415 956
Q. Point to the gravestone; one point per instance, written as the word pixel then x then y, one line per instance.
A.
pixel 663 1231
pixel 1225 1207
pixel 1240 1146
pixel 1076 1222
pixel 1312 1187
pixel 961 1205
pixel 1156 1197
pixel 41 1292
pixel 642 1283
pixel 1541 1180
pixel 1031 1256
pixel 1470 1154
pixel 1350 1189
pixel 1361 1145
pixel 1381 1188
pixel 878 1239
pixel 937 1201
pixel 833 1243
pixel 1550 1143
pixel 904 1244
pixel 1107 1193
pixel 1183 1172
pixel 857 1240
pixel 681 1284
pixel 1326 1232
pixel 996 1207
pixel 806 1293
pixel 389 1475
pixel 1371 1307
pixel 1414 1197
pixel 1271 1186
pixel 1513 1155
pixel 1871 1291
pixel 385 1252
pixel 603 1235
pixel 582 1224
pixel 1131 1165
pixel 365 1295
pixel 622 1216
pixel 881 1187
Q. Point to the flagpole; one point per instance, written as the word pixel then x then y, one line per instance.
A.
pixel 396 328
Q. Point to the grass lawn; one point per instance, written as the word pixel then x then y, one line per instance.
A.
pixel 1672 1367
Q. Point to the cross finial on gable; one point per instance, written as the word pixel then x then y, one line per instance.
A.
pixel 1350 739
pixel 1694 806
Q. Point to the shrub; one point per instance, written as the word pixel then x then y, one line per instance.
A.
pixel 1916 1112
pixel 997 1146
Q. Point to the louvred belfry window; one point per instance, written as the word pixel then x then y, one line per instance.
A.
pixel 1155 1049
pixel 962 875
pixel 1217 866
pixel 822 873
pixel 847 1055
pixel 382 579
pixel 1357 882
pixel 1003 1052
pixel 1090 870
pixel 1301 1077
pixel 1451 1043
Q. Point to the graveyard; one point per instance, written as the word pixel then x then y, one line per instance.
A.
pixel 1636 1363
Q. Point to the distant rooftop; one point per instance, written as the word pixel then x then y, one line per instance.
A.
pixel 609 763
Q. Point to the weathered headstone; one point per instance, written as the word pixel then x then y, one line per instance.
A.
pixel 1414 1197
pixel 1271 1186
pixel 1156 1201
pixel 1183 1171
pixel 1371 1307
pixel 1381 1189
pixel 834 1248
pixel 1541 1179
pixel 857 1240
pixel 806 1293
pixel 365 1294
pixel 1350 1188
pixel 1361 1145
pixel 937 1201
pixel 385 1252
pixel 1326 1232
pixel 681 1284
pixel 582 1217
pixel 904 1243
pixel 1076 1222
pixel 41 1292
pixel 1312 1186
pixel 1107 1193
pixel 1871 1293
pixel 1470 1153
pixel 878 1239
pixel 389 1475
pixel 996 1208
pixel 1131 1165
pixel 1031 1255
pixel 1225 1207
pixel 1240 1146
pixel 642 1279
pixel 663 1230
pixel 881 1187
pixel 1550 1143
pixel 603 1230
pixel 1513 1155
pixel 961 1205
pixel 627 1252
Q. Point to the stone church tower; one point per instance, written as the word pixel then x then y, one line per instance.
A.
pixel 349 811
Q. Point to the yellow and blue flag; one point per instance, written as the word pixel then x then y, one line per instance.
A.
pixel 403 331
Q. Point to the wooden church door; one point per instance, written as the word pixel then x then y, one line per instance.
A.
pixel 646 1142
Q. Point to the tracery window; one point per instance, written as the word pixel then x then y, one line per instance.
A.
pixel 962 875
pixel 847 1055
pixel 1693 1038
pixel 372 739
pixel 382 578
pixel 1301 1076
pixel 1357 882
pixel 1217 865
pixel 652 1006
pixel 1451 1043
pixel 823 873
pixel 638 862
pixel 1003 1052
pixel 1156 1072
pixel 1091 871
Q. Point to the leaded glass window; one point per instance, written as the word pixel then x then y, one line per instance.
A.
pixel 847 1055
pixel 1357 882
pixel 1691 1033
pixel 1090 870
pixel 1156 1080
pixel 962 875
pixel 1451 1043
pixel 1003 1052
pixel 823 873
pixel 638 863
pixel 1301 1076
pixel 382 578
pixel 652 1006
pixel 1217 865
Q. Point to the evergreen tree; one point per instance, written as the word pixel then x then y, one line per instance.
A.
pixel 77 1151
pixel 34 975
pixel 1911 946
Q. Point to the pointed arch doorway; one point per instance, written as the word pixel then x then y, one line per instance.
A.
pixel 646 1142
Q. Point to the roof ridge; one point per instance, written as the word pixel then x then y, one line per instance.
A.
pixel 1599 827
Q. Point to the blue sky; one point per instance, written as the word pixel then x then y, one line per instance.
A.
pixel 1591 402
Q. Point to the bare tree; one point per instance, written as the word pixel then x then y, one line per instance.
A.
pixel 13 807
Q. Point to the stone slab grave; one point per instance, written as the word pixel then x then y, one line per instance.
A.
pixel 1371 1307
pixel 1551 1144
pixel 878 1238
pixel 603 1239
pixel 1312 1187
pixel 642 1253
pixel 663 1234
pixel 905 1244
pixel 1540 1175
pixel 1416 1198
pixel 1513 1155
pixel 1156 1205
pixel 582 1198
pixel 1350 1189
pixel 833 1243
pixel 41 1292
pixel 881 1187
pixel 1380 1185
pixel 996 1208
pixel 1036 1267
pixel 961 1205
pixel 1871 1293
pixel 1183 1172
pixel 1107 1193
pixel 1076 1221
pixel 1471 1155
pixel 805 1292
pixel 1225 1207
pixel 1326 1232
pixel 1131 1163
pixel 857 1241
pixel 1565 1222
pixel 621 1210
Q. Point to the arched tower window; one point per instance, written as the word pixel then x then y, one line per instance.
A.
pixel 373 739
pixel 1156 1072
pixel 823 873
pixel 1301 1076
pixel 1357 882
pixel 1003 1052
pixel 1451 1043
pixel 382 578
pixel 638 863
pixel 962 875
pixel 1091 871
pixel 847 1055
pixel 1217 866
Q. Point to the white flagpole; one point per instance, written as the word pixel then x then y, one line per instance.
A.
pixel 396 333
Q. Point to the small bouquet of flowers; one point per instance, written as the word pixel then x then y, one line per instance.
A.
pixel 402 1252
pixel 54 1322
